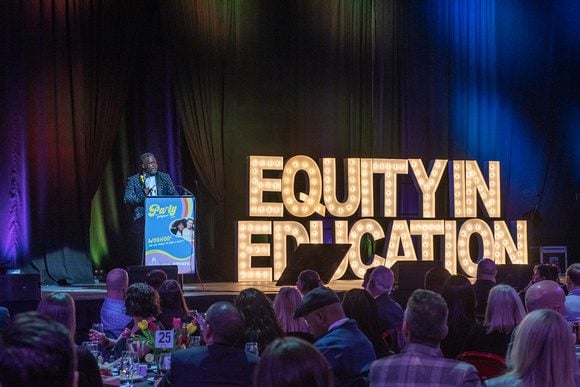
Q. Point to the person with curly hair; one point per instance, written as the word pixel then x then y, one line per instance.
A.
pixel 261 325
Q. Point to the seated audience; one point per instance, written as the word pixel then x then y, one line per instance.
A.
pixel 37 351
pixel 460 299
pixel 60 307
pixel 172 303
pixel 308 280
pixel 546 295
pixel 285 304
pixel 572 302
pixel 504 312
pixel 4 318
pixel 543 353
pixel 219 362
pixel 486 273
pixel 380 285
pixel 361 307
pixel 292 362
pixel 113 314
pixel 155 278
pixel 344 346
pixel 141 303
pixel 261 325
pixel 543 272
pixel 435 279
pixel 421 363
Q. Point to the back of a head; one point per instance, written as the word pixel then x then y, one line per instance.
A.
pixel 545 294
pixel 426 317
pixel 367 276
pixel 381 281
pixel 435 278
pixel 141 301
pixel 60 307
pixel 548 271
pixel 543 353
pixel 226 322
pixel 308 280
pixel 359 305
pixel 155 278
pixel 289 362
pixel 573 274
pixel 117 280
pixel 285 304
pixel 504 309
pixel 36 351
pixel 171 296
pixel 486 269
pixel 459 295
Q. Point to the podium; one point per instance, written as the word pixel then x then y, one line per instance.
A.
pixel 170 232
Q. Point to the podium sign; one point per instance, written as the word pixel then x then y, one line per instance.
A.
pixel 170 232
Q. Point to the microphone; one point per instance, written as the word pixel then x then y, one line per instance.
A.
pixel 185 190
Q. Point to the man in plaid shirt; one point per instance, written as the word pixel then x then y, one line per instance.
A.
pixel 421 362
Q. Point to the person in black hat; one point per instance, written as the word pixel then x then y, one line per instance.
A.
pixel 342 343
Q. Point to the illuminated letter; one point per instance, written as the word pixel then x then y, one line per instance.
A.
pixel 451 246
pixel 316 231
pixel 367 188
pixel 457 168
pixel 352 186
pixel 427 228
pixel 390 168
pixel 282 230
pixel 504 242
pixel 428 184
pixel 259 184
pixel 247 250
pixel 400 236
pixel 309 203
pixel 473 226
pixel 360 228
pixel 475 183
pixel 341 236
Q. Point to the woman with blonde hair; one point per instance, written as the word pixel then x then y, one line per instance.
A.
pixel 503 313
pixel 543 353
pixel 285 304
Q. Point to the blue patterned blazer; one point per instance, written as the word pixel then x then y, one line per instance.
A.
pixel 135 196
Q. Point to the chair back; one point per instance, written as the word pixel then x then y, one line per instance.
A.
pixel 488 365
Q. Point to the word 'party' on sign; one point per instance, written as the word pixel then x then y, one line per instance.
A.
pixel 467 188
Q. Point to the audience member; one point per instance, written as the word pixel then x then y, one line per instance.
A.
pixel 421 363
pixel 292 362
pixel 285 304
pixel 261 325
pixel 572 302
pixel 307 281
pixel 460 298
pixel 141 303
pixel 542 272
pixel 435 279
pixel 486 273
pixel 367 276
pixel 380 285
pixel 219 362
pixel 543 353
pixel 360 306
pixel 172 303
pixel 113 314
pixel 504 312
pixel 37 351
pixel 4 318
pixel 60 307
pixel 155 278
pixel 546 295
pixel 344 346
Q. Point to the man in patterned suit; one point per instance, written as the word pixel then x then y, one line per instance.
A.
pixel 421 362
pixel 148 182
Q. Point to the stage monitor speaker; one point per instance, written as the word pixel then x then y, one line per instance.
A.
pixel 139 273
pixel 322 258
pixel 410 275
pixel 517 276
pixel 19 287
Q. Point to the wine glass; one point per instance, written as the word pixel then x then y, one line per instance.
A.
pixel 129 364
pixel 164 362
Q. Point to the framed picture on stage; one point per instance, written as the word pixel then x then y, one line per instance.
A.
pixel 170 232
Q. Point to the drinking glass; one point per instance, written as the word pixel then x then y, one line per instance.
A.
pixel 252 347
pixel 129 364
pixel 93 348
pixel 97 327
pixel 201 320
pixel 164 362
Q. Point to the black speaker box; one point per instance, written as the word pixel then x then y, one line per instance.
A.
pixel 517 276
pixel 19 287
pixel 410 275
pixel 139 273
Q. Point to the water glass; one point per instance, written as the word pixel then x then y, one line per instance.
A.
pixel 164 362
pixel 252 347
pixel 98 327
pixel 201 320
pixel 93 348
pixel 129 365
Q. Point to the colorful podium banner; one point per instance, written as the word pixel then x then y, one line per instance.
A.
pixel 170 232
